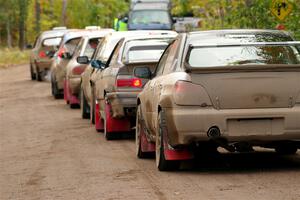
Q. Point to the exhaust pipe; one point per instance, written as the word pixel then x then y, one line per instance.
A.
pixel 213 132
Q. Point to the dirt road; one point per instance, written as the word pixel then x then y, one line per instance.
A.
pixel 48 152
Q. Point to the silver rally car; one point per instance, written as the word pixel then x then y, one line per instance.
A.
pixel 233 88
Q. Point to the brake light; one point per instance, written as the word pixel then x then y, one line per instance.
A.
pixel 133 82
pixel 188 93
pixel 42 54
pixel 78 70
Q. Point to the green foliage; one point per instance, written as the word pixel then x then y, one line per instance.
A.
pixel 220 14
pixel 216 14
pixel 10 57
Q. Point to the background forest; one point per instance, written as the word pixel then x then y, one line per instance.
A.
pixel 22 20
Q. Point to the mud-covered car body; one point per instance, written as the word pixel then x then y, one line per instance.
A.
pixel 63 56
pixel 86 47
pixel 237 88
pixel 44 47
pixel 116 89
pixel 102 54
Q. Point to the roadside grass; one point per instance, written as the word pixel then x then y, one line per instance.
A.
pixel 12 57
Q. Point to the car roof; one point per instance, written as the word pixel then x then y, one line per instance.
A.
pixel 239 31
pixel 122 34
pixel 149 37
pixel 53 33
pixel 82 32
pixel 221 36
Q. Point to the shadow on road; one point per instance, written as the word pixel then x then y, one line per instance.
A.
pixel 243 162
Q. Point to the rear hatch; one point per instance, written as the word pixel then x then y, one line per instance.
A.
pixel 125 75
pixel 256 89
pixel 242 76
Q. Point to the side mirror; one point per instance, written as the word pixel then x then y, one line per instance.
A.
pixel 66 55
pixel 142 72
pixel 82 59
pixel 98 64
pixel 50 54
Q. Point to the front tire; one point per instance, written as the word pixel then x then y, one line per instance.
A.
pixel 93 105
pixel 38 75
pixel 55 91
pixel 161 162
pixel 85 108
pixel 139 133
pixel 32 74
pixel 107 119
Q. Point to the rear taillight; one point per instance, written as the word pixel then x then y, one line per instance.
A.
pixel 132 82
pixel 42 54
pixel 188 93
pixel 78 70
pixel 60 52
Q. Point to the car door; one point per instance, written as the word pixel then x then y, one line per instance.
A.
pixel 150 100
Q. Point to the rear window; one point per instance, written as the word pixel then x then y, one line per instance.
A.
pixel 144 54
pixel 52 42
pixel 243 55
pixel 149 50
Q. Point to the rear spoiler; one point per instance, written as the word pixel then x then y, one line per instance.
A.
pixel 207 45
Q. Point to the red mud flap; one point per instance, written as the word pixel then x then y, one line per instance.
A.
pixel 145 145
pixel 175 154
pixel 68 97
pixel 98 121
pixel 115 125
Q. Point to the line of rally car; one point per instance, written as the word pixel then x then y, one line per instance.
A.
pixel 103 72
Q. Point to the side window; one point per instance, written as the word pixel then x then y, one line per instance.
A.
pixel 115 54
pixel 78 49
pixel 171 62
pixel 91 47
pixel 162 62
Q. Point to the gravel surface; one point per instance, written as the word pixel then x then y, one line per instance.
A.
pixel 48 152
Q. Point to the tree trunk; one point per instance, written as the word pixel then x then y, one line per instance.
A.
pixel 22 19
pixel 37 16
pixel 64 12
pixel 8 33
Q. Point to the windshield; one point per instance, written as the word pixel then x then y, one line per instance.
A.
pixel 106 48
pixel 243 55
pixel 91 47
pixel 150 17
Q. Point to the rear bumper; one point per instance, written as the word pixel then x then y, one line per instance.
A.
pixel 122 100
pixel 187 124
pixel 43 64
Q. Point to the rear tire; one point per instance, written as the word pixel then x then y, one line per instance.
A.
pixel 161 162
pixel 85 108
